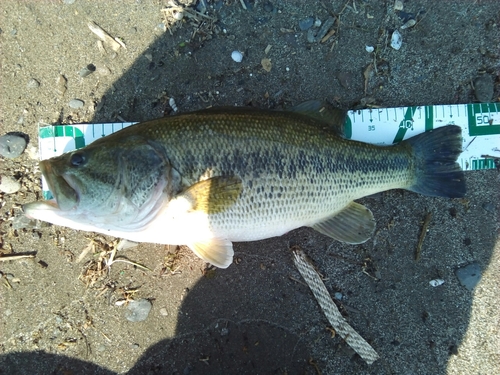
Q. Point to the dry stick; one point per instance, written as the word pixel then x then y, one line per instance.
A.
pixel 15 257
pixel 427 220
pixel 104 36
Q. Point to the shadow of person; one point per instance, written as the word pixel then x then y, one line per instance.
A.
pixel 247 319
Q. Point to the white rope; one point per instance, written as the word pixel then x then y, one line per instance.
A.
pixel 339 324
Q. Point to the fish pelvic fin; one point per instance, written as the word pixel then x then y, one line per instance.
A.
pixel 216 251
pixel 354 224
pixel 437 172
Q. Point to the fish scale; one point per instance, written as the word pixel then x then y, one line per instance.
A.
pixel 215 176
pixel 290 153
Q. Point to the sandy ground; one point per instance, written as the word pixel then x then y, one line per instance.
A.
pixel 252 318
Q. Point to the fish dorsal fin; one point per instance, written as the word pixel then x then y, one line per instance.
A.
pixel 213 195
pixel 333 117
pixel 354 224
pixel 216 251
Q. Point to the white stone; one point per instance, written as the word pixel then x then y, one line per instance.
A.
pixel 237 56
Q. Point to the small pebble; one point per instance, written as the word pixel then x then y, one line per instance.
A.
pixel 86 71
pixel 9 185
pixel 436 282
pixel 369 49
pixel 33 84
pixel 306 23
pixel 469 275
pixel 237 56
pixel 410 23
pixel 172 104
pixel 101 348
pixel 138 310
pixel 163 312
pixel 61 85
pixel 76 103
pixel 268 6
pixel 103 71
pixel 396 40
pixel 224 332
pixel 178 15
pixel 12 145
pixel 162 27
pixel 483 88
pixel 338 296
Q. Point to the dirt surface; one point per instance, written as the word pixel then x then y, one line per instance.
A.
pixel 58 316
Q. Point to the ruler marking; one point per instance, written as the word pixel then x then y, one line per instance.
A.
pixel 429 118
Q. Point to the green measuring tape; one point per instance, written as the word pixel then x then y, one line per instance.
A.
pixel 480 125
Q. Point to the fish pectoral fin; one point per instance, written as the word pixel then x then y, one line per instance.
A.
pixel 333 117
pixel 216 251
pixel 354 224
pixel 214 195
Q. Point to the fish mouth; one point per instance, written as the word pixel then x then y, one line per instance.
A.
pixel 64 193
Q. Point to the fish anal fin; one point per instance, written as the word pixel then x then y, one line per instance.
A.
pixel 213 195
pixel 354 224
pixel 216 251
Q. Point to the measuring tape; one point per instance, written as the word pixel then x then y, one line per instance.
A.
pixel 480 125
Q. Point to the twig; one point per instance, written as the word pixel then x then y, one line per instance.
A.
pixel 15 257
pixel 104 36
pixel 425 225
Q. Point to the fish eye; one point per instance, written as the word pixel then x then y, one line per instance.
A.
pixel 78 159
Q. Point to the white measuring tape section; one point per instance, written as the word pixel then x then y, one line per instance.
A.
pixel 339 324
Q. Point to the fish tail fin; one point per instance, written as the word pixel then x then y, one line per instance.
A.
pixel 437 172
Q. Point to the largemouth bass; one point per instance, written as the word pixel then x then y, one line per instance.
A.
pixel 209 178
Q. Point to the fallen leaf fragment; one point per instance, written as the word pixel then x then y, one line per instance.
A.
pixel 266 64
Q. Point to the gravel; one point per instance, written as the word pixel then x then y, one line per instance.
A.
pixel 138 310
pixel 9 185
pixel 12 145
